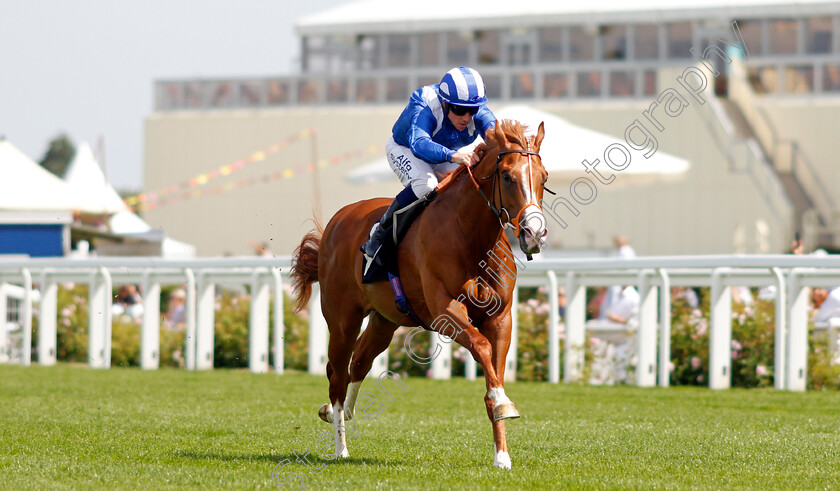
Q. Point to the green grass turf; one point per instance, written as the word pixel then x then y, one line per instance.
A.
pixel 75 428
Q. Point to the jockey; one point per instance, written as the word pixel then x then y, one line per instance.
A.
pixel 439 120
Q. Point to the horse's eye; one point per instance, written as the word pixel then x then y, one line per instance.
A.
pixel 506 177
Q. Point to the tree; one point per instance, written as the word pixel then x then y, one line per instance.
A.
pixel 59 155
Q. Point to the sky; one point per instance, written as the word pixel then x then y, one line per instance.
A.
pixel 86 67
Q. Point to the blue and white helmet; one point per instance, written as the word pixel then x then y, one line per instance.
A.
pixel 463 86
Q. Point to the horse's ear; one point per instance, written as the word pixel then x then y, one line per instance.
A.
pixel 539 136
pixel 499 134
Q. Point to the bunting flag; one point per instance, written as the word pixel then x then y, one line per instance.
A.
pixel 196 187
pixel 225 170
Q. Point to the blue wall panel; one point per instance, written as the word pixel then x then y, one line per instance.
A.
pixel 35 240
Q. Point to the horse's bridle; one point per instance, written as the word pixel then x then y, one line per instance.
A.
pixel 512 222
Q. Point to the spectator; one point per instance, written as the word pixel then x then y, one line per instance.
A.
pixel 623 250
pixel 827 304
pixel 128 302
pixel 176 316
pixel 625 307
pixel 683 294
pixel 561 302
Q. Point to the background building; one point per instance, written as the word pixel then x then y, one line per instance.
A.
pixel 231 163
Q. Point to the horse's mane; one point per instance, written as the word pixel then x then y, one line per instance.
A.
pixel 514 132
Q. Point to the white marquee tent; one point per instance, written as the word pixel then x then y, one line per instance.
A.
pixel 93 192
pixel 562 150
pixel 26 186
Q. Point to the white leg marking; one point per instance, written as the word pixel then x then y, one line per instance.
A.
pixel 498 396
pixel 338 424
pixel 350 401
pixel 501 460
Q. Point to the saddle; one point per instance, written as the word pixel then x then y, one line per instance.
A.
pixel 385 262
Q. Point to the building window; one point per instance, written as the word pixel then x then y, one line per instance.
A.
pixel 589 84
pixel 429 49
pixel 764 80
pixel 396 89
pixel 278 92
pixel 309 91
pixel 399 53
pixel 614 42
pixel 314 58
pixel 522 86
pixel 679 40
pixel 250 94
pixel 783 37
pixel 367 48
pixel 493 86
pixel 647 42
pixel 337 90
pixel 621 84
pixel 649 82
pixel 581 45
pixel 799 79
pixel 819 35
pixel 551 44
pixel 193 94
pixel 489 47
pixel 831 78
pixel 457 49
pixel 556 85
pixel 366 90
pixel 424 81
pixel 751 32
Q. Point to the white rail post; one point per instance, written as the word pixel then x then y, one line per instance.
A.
pixel 205 322
pixel 797 342
pixel 575 329
pixel 781 326
pixel 442 363
pixel 553 328
pixel 646 336
pixel 26 349
pixel 4 319
pixel 510 358
pixel 48 321
pixel 258 325
pixel 470 367
pixel 317 334
pixel 720 336
pixel 99 306
pixel 279 322
pixel 150 335
pixel 190 342
pixel 664 329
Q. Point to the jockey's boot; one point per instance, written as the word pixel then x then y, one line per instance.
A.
pixel 380 232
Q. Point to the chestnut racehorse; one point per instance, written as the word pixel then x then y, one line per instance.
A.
pixel 457 269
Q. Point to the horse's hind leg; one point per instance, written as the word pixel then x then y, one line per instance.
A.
pixel 344 329
pixel 372 342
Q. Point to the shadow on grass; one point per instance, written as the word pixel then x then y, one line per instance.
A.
pixel 289 456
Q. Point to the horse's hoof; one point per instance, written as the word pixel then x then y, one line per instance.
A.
pixel 502 460
pixel 505 411
pixel 325 413
pixel 344 454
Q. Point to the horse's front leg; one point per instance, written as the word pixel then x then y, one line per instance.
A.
pixel 490 351
pixel 499 406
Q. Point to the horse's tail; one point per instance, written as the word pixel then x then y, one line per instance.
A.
pixel 305 266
